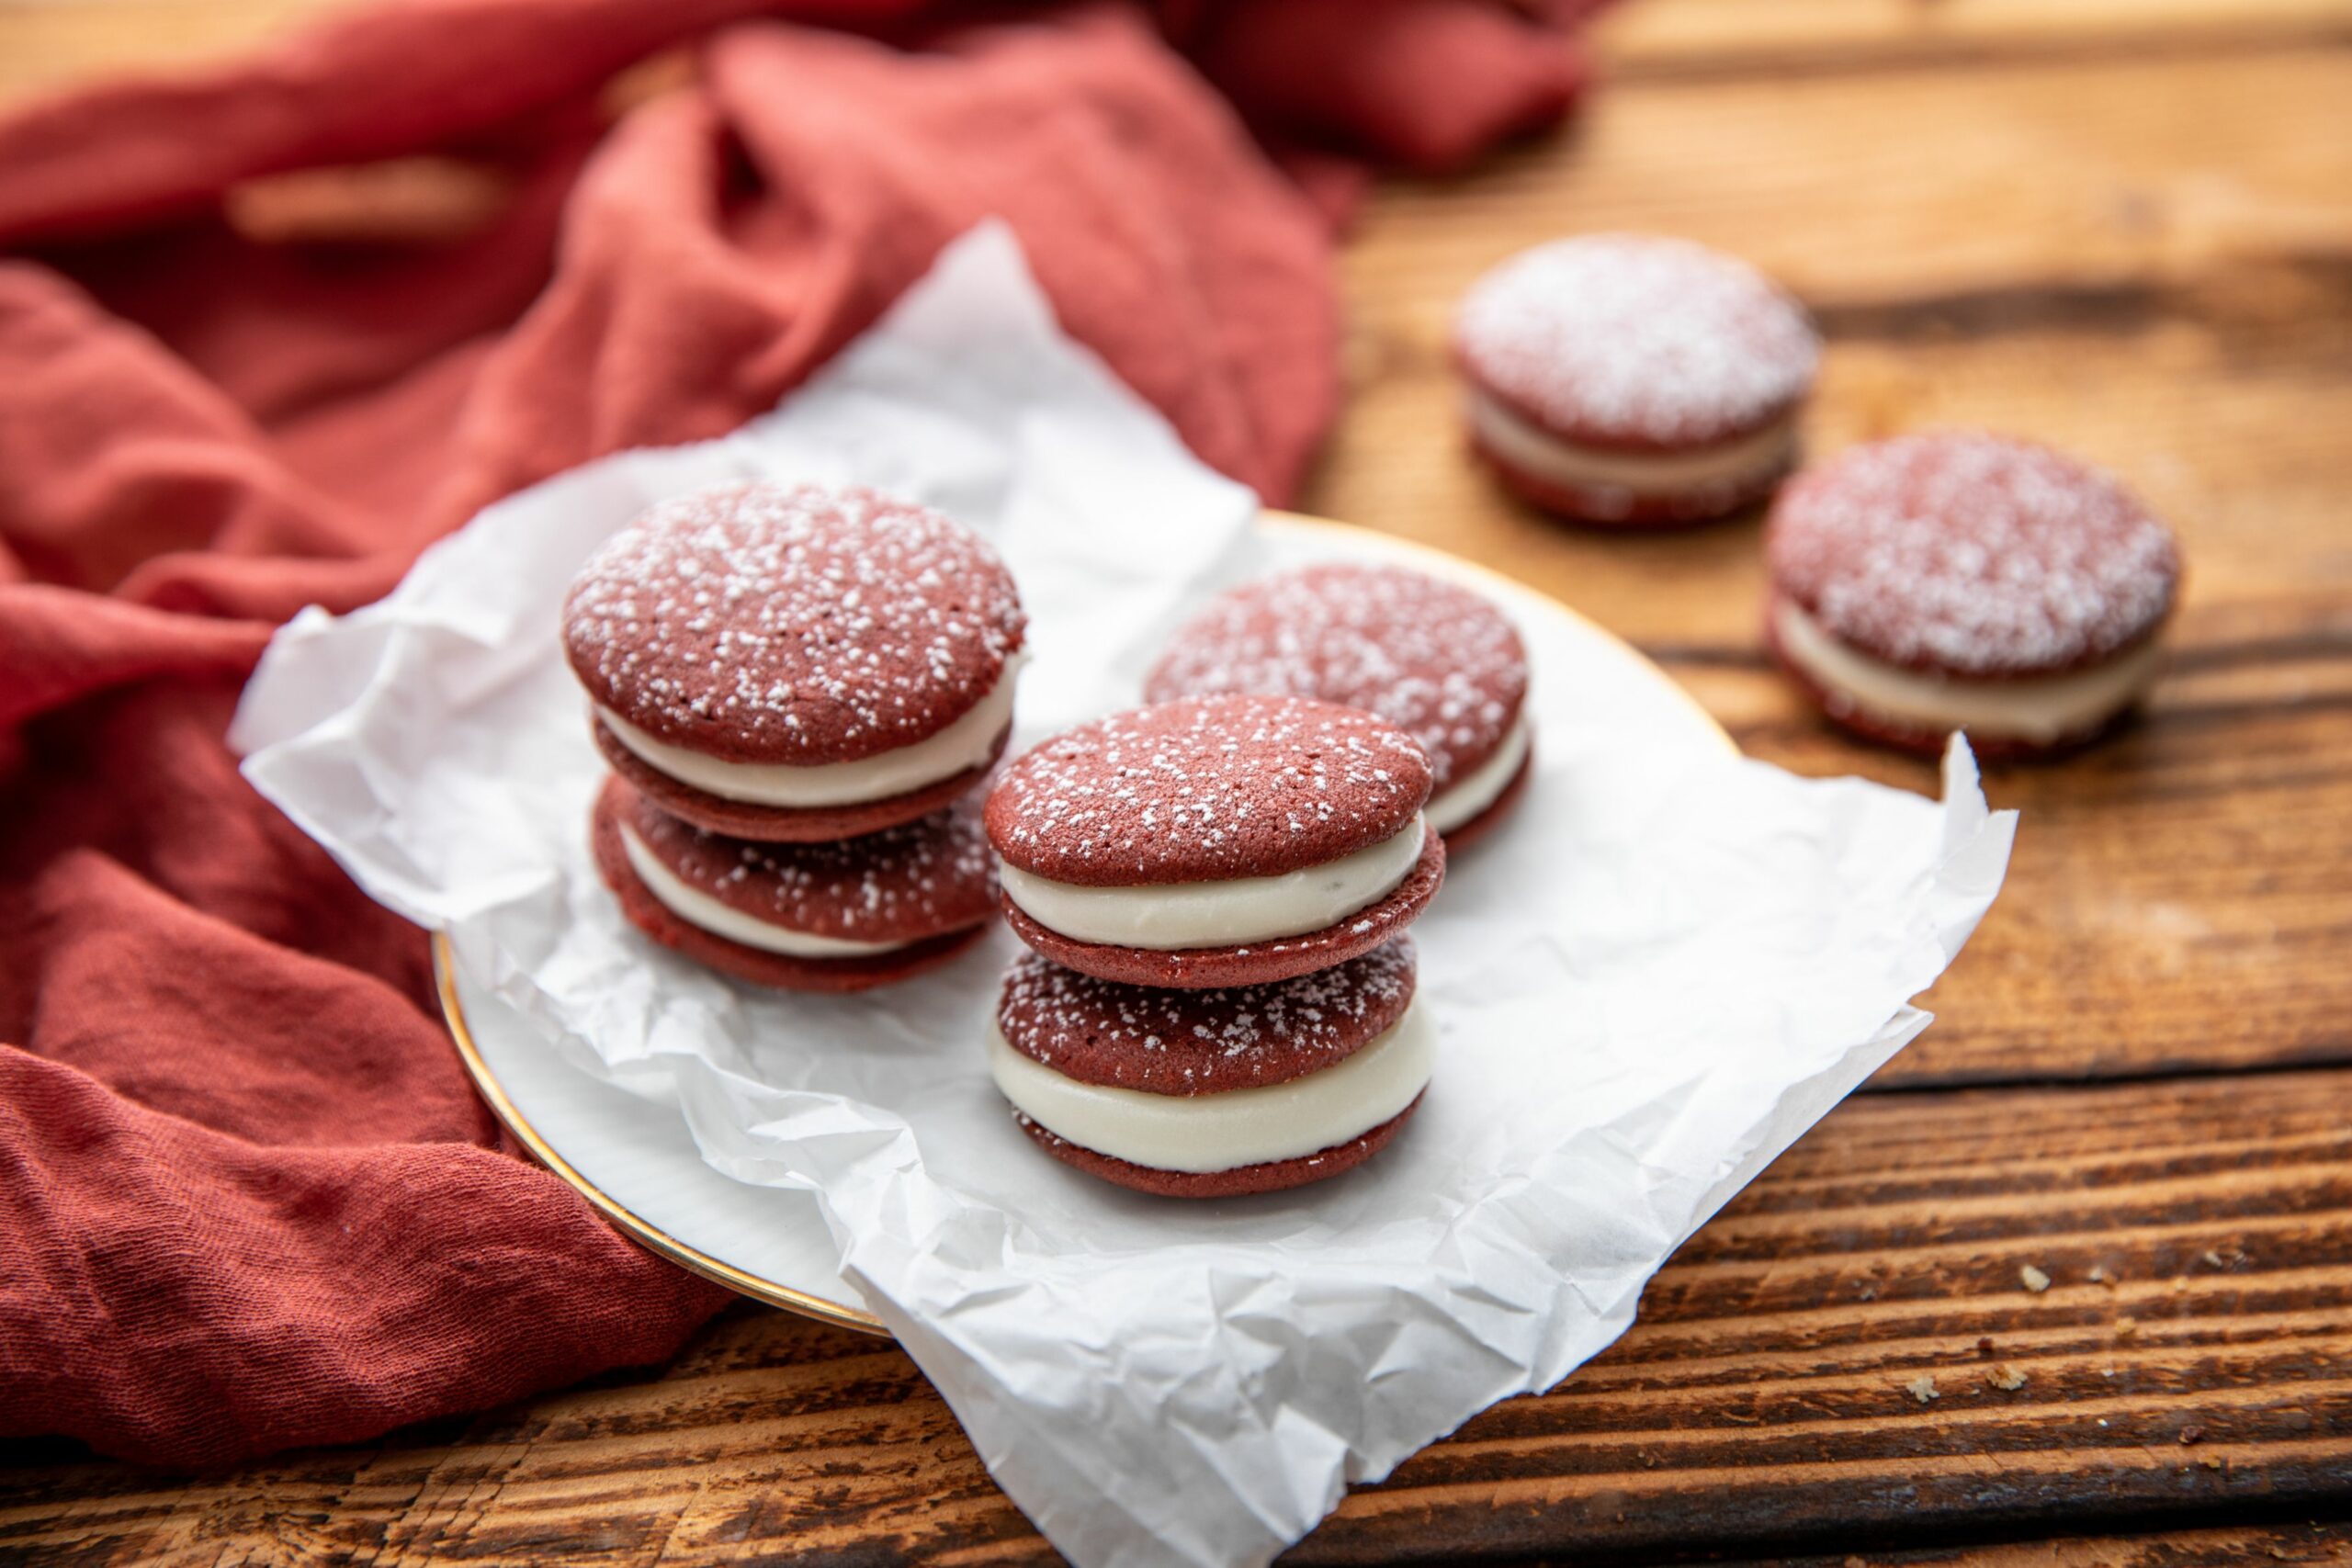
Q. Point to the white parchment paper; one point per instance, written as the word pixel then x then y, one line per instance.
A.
pixel 1668 966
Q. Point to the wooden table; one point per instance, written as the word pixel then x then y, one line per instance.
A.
pixel 2123 226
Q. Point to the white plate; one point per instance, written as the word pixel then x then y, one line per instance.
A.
pixel 638 1165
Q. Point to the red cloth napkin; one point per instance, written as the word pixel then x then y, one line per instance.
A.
pixel 248 1197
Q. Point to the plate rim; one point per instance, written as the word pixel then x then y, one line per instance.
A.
pixel 620 1216
pixel 804 1304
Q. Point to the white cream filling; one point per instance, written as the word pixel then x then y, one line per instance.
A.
pixel 963 744
pixel 1546 457
pixel 699 909
pixel 2037 708
pixel 1476 791
pixel 1168 916
pixel 1201 1132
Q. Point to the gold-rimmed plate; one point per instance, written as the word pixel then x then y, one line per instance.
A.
pixel 634 1161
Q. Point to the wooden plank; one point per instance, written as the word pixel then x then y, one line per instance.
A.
pixel 2192 1351
pixel 2177 899
pixel 2125 299
pixel 2150 263
pixel 47 45
pixel 1904 184
pixel 1685 38
pixel 2236 442
pixel 2196 1237
pixel 2232 1546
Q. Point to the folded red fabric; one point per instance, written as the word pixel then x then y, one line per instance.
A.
pixel 266 332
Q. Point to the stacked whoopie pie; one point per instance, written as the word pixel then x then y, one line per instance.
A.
pixel 1220 1001
pixel 798 691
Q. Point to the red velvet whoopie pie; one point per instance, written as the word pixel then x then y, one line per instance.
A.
pixel 1227 840
pixel 794 663
pixel 1634 379
pixel 1954 579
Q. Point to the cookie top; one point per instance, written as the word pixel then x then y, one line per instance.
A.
pixel 1207 789
pixel 757 623
pixel 1637 340
pixel 1165 1041
pixel 1436 661
pixel 898 885
pixel 1971 555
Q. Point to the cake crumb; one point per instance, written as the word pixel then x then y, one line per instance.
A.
pixel 2008 1379
pixel 2035 1279
pixel 1922 1388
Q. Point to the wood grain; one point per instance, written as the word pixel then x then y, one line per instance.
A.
pixel 2124 226
pixel 2193 1351
pixel 2169 293
pixel 2196 1238
pixel 2146 263
pixel 2239 1546
pixel 49 44
pixel 1716 40
pixel 2178 900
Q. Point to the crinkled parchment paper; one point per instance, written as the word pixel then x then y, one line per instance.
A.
pixel 1669 964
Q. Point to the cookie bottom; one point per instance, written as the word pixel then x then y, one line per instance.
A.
pixel 1613 507
pixel 1248 964
pixel 1273 1176
pixel 859 972
pixel 1899 736
pixel 788 824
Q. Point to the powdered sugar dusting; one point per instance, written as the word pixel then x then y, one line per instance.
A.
pixel 795 625
pixel 1972 554
pixel 1201 1042
pixel 928 876
pixel 1207 789
pixel 1435 659
pixel 1637 338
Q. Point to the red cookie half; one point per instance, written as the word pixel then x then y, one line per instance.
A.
pixel 1972 556
pixel 791 625
pixel 789 824
pixel 1190 1043
pixel 926 886
pixel 1207 789
pixel 1246 964
pixel 1430 657
pixel 1929 742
